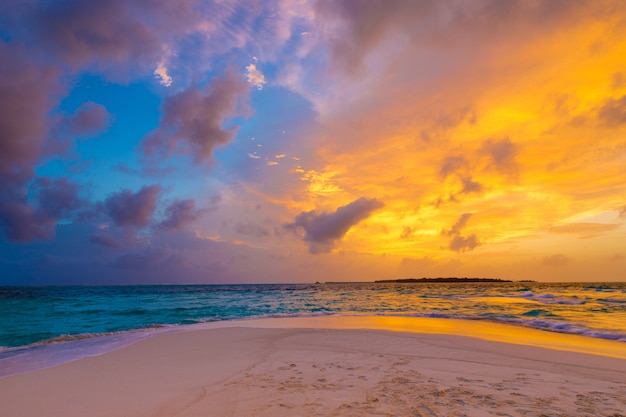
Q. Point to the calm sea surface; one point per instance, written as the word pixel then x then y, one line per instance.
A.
pixel 50 325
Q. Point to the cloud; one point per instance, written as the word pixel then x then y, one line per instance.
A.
pixel 453 164
pixel 254 76
pixel 180 214
pixel 470 186
pixel 356 28
pixel 322 230
pixel 460 243
pixel 128 209
pixel 54 200
pixel 502 153
pixel 406 232
pixel 105 240
pixel 251 229
pixel 20 222
pixel 460 224
pixel 89 118
pixel 57 199
pixel 150 259
pixel 193 120
pixel 556 260
pixel 119 31
pixel 26 87
pixel 584 228
pixel 613 112
pixel 162 75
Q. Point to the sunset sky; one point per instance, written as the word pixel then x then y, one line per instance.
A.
pixel 193 141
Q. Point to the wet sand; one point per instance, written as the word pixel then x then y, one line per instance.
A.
pixel 333 366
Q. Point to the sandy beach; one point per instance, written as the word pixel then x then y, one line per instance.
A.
pixel 333 366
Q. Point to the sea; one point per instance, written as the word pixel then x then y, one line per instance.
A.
pixel 46 326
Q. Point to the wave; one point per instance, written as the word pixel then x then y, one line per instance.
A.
pixel 612 300
pixel 533 323
pixel 548 298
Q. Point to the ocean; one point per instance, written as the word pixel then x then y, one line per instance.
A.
pixel 44 326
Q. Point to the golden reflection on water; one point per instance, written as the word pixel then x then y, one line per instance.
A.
pixel 468 328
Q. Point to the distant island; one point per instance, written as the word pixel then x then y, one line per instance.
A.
pixel 449 279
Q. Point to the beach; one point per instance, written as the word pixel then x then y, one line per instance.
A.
pixel 333 366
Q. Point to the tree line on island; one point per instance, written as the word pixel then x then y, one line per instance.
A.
pixel 427 280
pixel 447 279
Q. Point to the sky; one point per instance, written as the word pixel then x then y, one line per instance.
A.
pixel 226 141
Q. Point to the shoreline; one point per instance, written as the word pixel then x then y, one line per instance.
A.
pixel 18 360
pixel 329 366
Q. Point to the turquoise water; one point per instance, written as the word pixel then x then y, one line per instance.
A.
pixel 54 319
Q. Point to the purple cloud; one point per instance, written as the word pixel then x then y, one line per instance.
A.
pixel 179 214
pixel 128 209
pixel 193 120
pixel 57 199
pixel 251 229
pixel 25 90
pixel 358 27
pixel 324 229
pixel 105 240
pixel 20 223
pixel 54 200
pixel 89 118
pixel 151 258
pixel 81 31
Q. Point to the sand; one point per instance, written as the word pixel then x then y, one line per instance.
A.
pixel 333 367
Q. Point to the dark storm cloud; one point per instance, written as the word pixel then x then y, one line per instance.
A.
pixel 128 209
pixel 179 214
pixel 322 230
pixel 193 120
